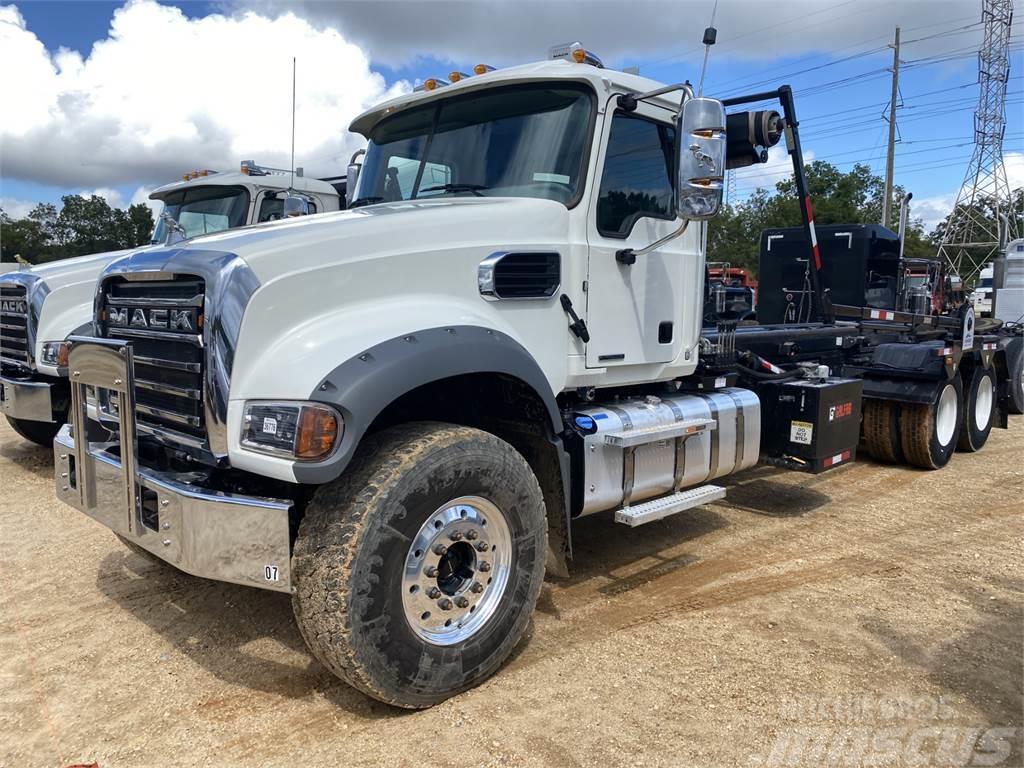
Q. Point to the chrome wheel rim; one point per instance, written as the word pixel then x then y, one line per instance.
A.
pixel 983 404
pixel 946 415
pixel 456 570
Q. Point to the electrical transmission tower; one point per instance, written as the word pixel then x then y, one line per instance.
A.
pixel 971 237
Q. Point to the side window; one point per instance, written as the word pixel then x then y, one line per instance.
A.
pixel 271 209
pixel 638 175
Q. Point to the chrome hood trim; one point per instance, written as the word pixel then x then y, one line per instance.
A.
pixel 229 284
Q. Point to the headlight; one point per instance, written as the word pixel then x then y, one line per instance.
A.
pixel 306 431
pixel 56 353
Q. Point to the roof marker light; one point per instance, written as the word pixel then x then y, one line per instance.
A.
pixel 430 84
pixel 575 52
pixel 454 77
pixel 482 69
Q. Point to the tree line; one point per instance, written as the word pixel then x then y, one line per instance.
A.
pixel 83 225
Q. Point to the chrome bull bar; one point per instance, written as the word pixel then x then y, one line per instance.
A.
pixel 200 530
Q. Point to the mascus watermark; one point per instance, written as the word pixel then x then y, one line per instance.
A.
pixel 884 731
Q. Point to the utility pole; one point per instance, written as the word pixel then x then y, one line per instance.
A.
pixel 891 158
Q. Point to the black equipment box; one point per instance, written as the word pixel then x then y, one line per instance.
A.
pixel 811 424
pixel 860 266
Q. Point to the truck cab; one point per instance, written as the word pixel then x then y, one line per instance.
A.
pixel 45 304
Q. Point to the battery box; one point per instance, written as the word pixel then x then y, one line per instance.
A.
pixel 810 424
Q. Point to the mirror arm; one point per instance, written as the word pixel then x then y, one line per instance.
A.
pixel 628 101
pixel 628 255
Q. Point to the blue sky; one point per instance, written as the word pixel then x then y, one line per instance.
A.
pixel 842 91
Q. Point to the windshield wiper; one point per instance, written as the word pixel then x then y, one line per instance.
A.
pixel 366 201
pixel 474 188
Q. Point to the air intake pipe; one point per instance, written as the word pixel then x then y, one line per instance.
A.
pixel 749 135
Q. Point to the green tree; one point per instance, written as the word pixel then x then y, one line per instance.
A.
pixel 82 226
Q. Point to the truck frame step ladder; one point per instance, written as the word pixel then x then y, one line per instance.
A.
pixel 662 507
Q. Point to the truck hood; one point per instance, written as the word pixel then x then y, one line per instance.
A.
pixel 57 274
pixel 310 242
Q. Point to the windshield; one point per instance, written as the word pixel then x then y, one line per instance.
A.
pixel 517 141
pixel 201 210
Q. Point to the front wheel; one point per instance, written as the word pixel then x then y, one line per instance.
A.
pixel 979 408
pixel 39 432
pixel 417 571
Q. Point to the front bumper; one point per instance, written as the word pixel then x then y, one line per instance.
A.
pixel 26 399
pixel 199 530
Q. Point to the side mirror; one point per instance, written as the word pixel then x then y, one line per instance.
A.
pixel 295 205
pixel 702 151
pixel 352 177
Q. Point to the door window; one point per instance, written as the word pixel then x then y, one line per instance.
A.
pixel 638 173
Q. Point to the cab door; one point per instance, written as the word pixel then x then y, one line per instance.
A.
pixel 634 311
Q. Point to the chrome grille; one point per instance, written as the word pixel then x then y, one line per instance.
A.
pixel 14 344
pixel 163 320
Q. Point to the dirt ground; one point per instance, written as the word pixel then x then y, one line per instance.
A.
pixel 868 616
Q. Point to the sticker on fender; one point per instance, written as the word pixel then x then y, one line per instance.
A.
pixel 801 432
pixel 270 573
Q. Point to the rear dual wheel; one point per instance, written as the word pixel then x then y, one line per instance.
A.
pixel 416 572
pixel 882 430
pixel 978 411
pixel 929 431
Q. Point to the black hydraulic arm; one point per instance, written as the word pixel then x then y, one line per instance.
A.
pixel 822 309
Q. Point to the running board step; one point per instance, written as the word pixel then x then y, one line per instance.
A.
pixel 664 506
pixel 629 438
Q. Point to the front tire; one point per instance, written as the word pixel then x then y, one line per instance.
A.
pixel 929 432
pixel 39 432
pixel 979 410
pixel 416 572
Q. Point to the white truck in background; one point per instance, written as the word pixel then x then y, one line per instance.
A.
pixel 43 305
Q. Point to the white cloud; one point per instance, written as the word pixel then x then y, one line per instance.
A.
pixel 1013 162
pixel 932 210
pixel 114 198
pixel 163 94
pixel 15 208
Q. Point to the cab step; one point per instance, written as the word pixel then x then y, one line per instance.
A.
pixel 656 509
pixel 629 438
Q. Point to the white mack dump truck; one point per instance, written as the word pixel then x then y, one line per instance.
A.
pixel 396 413
pixel 43 306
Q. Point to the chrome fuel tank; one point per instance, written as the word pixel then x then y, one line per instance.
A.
pixel 661 465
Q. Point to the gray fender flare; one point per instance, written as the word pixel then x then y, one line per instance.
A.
pixel 362 387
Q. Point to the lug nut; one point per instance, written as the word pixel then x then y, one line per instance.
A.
pixel 440 549
pixel 431 572
pixel 433 593
pixel 462 602
pixel 471 535
pixel 481 546
pixel 485 567
pixel 444 604
pixel 455 536
pixel 477 587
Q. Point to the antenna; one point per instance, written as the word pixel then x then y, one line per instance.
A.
pixel 710 35
pixel 291 183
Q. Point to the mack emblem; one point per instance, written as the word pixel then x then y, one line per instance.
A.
pixel 158 318
pixel 14 305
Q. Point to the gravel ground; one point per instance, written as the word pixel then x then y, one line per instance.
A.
pixel 868 616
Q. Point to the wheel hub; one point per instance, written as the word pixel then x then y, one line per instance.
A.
pixel 456 570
